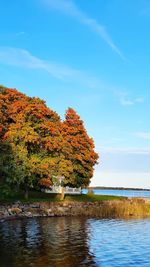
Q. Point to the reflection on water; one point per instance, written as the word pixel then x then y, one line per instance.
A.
pixel 45 242
pixel 73 242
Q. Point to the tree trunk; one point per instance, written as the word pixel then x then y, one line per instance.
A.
pixel 62 193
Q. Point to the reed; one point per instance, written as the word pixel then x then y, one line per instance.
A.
pixel 115 209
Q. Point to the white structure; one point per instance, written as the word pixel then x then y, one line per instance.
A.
pixel 57 187
pixel 67 190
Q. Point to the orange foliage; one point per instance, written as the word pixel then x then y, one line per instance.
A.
pixel 45 182
pixel 41 144
pixel 82 152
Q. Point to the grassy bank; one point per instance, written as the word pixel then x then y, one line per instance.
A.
pixel 92 198
pixel 45 197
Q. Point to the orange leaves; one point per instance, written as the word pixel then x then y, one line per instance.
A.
pixel 72 118
pixel 45 182
pixel 47 128
pixel 83 156
pixel 37 111
pixel 42 145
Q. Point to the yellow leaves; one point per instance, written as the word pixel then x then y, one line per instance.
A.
pixel 65 167
pixel 52 162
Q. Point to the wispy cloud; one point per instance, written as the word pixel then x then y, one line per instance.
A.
pixel 68 7
pixel 24 59
pixel 143 135
pixel 126 100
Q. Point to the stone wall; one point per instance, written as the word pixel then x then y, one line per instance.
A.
pixel 103 209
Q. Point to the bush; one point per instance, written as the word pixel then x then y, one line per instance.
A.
pixel 6 191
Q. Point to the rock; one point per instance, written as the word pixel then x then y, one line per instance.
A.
pixel 51 215
pixel 65 204
pixel 47 212
pixel 60 209
pixel 13 211
pixel 28 214
pixel 17 203
pixel 35 206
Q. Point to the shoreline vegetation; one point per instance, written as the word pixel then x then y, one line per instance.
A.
pixel 90 205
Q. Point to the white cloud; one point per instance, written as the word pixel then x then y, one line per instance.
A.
pixel 143 135
pixel 126 100
pixel 68 7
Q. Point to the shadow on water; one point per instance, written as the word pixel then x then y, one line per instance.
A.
pixel 45 242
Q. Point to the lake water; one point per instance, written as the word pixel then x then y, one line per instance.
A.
pixel 117 192
pixel 74 242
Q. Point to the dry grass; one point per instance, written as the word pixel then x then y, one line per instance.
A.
pixel 116 209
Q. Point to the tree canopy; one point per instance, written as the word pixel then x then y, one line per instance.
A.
pixel 35 145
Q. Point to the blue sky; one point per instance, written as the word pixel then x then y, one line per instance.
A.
pixel 93 56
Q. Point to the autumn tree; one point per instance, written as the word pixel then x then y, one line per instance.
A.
pixel 34 136
pixel 81 150
pixel 36 146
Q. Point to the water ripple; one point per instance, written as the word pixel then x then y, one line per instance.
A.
pixel 73 242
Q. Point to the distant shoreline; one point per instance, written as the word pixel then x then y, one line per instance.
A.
pixel 117 188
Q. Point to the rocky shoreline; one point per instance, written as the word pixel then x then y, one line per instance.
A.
pixel 129 208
